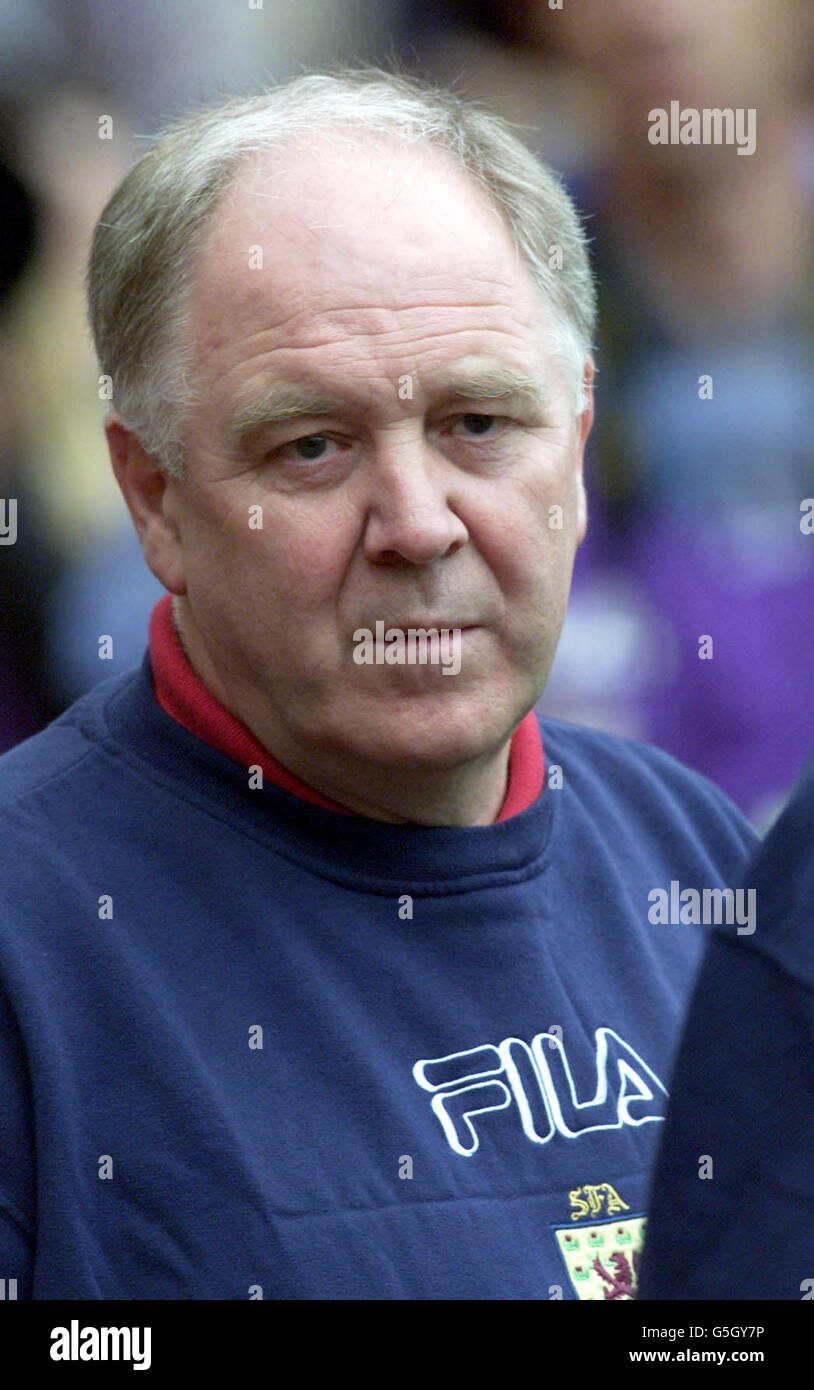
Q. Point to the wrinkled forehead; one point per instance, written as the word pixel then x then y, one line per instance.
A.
pixel 337 221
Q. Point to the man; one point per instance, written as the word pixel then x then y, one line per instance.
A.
pixel 319 981
pixel 732 1210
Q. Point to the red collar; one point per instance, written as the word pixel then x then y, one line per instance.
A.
pixel 183 696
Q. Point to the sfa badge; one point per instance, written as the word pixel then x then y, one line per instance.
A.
pixel 602 1257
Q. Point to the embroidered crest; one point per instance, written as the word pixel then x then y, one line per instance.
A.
pixel 602 1257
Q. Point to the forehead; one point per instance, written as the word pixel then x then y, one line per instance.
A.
pixel 341 240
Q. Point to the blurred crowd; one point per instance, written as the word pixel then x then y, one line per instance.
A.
pixel 690 623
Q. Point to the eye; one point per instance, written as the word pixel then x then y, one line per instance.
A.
pixel 478 426
pixel 311 448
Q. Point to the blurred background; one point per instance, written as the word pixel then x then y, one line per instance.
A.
pixel 703 451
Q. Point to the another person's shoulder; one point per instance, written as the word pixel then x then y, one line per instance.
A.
pixel 789 844
pixel 743 1080
pixel 640 785
pixel 782 876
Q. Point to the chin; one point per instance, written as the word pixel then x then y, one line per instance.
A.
pixel 435 731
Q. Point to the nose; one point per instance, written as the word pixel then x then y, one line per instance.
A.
pixel 410 512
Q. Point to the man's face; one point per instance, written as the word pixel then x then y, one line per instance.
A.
pixel 388 300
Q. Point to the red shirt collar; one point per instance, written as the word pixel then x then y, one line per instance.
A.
pixel 184 697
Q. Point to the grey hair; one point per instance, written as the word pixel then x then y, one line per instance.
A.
pixel 143 254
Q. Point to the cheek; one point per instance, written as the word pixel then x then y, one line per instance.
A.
pixel 289 562
pixel 533 540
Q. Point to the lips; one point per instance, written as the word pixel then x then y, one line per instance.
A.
pixel 441 623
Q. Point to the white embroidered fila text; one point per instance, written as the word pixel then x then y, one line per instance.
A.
pixel 537 1079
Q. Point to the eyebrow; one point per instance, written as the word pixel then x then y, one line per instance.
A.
pixel 499 383
pixel 284 401
pixel 274 406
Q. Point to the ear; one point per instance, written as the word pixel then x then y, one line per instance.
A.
pixel 147 489
pixel 584 422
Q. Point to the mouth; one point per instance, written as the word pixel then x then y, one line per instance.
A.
pixel 442 624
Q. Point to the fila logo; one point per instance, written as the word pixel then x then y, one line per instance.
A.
pixel 537 1080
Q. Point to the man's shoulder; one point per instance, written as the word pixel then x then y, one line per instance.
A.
pixel 587 744
pixel 61 752
pixel 584 741
pixel 609 768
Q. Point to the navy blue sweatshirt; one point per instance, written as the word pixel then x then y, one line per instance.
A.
pixel 741 1224
pixel 249 1048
